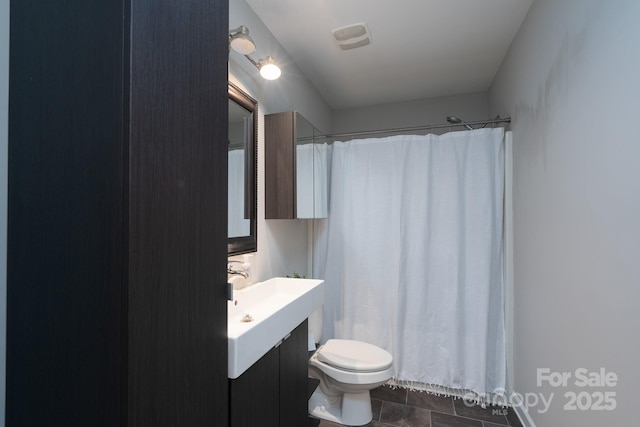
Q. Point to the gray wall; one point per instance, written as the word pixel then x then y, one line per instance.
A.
pixel 570 82
pixel 413 113
pixel 292 91
pixel 4 142
pixel 282 244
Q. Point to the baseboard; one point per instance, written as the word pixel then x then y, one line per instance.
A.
pixel 523 416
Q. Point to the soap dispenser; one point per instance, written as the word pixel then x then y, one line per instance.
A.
pixel 246 268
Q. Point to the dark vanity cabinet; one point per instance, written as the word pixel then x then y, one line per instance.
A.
pixel 296 168
pixel 117 242
pixel 273 391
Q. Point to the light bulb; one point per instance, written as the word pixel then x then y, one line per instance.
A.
pixel 269 69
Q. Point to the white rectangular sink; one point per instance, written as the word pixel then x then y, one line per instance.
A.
pixel 274 308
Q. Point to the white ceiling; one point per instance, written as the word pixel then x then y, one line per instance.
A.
pixel 420 48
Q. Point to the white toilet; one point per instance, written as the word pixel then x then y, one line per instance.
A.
pixel 347 370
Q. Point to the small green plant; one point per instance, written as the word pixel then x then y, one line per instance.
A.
pixel 296 275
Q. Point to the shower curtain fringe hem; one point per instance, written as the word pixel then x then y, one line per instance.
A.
pixel 481 399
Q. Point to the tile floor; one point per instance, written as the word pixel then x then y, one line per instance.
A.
pixel 403 408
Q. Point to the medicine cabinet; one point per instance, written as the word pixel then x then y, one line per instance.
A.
pixel 297 167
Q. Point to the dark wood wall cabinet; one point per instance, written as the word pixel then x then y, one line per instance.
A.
pixel 116 304
pixel 273 391
pixel 280 165
pixel 296 168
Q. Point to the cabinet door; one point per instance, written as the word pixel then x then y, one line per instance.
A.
pixel 254 398
pixel 294 358
pixel 273 392
pixel 280 165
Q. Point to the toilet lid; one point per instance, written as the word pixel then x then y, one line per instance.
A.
pixel 354 356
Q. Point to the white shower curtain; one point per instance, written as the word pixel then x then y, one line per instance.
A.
pixel 412 256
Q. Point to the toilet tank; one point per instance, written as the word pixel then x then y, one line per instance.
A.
pixel 315 326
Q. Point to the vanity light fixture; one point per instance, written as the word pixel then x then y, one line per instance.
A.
pixel 241 42
pixel 268 68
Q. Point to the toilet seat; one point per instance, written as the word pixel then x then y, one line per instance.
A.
pixel 354 356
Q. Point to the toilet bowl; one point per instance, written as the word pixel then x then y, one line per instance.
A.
pixel 347 370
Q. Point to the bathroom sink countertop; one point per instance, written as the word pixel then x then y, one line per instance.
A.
pixel 261 315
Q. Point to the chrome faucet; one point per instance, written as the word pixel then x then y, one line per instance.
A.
pixel 231 270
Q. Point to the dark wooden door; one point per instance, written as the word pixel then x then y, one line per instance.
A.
pixel 177 370
pixel 116 310
pixel 66 338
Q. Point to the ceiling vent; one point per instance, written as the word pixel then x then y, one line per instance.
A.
pixel 352 36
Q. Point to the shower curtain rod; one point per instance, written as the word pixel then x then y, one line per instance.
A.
pixel 494 121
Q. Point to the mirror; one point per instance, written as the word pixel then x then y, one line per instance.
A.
pixel 312 170
pixel 242 236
